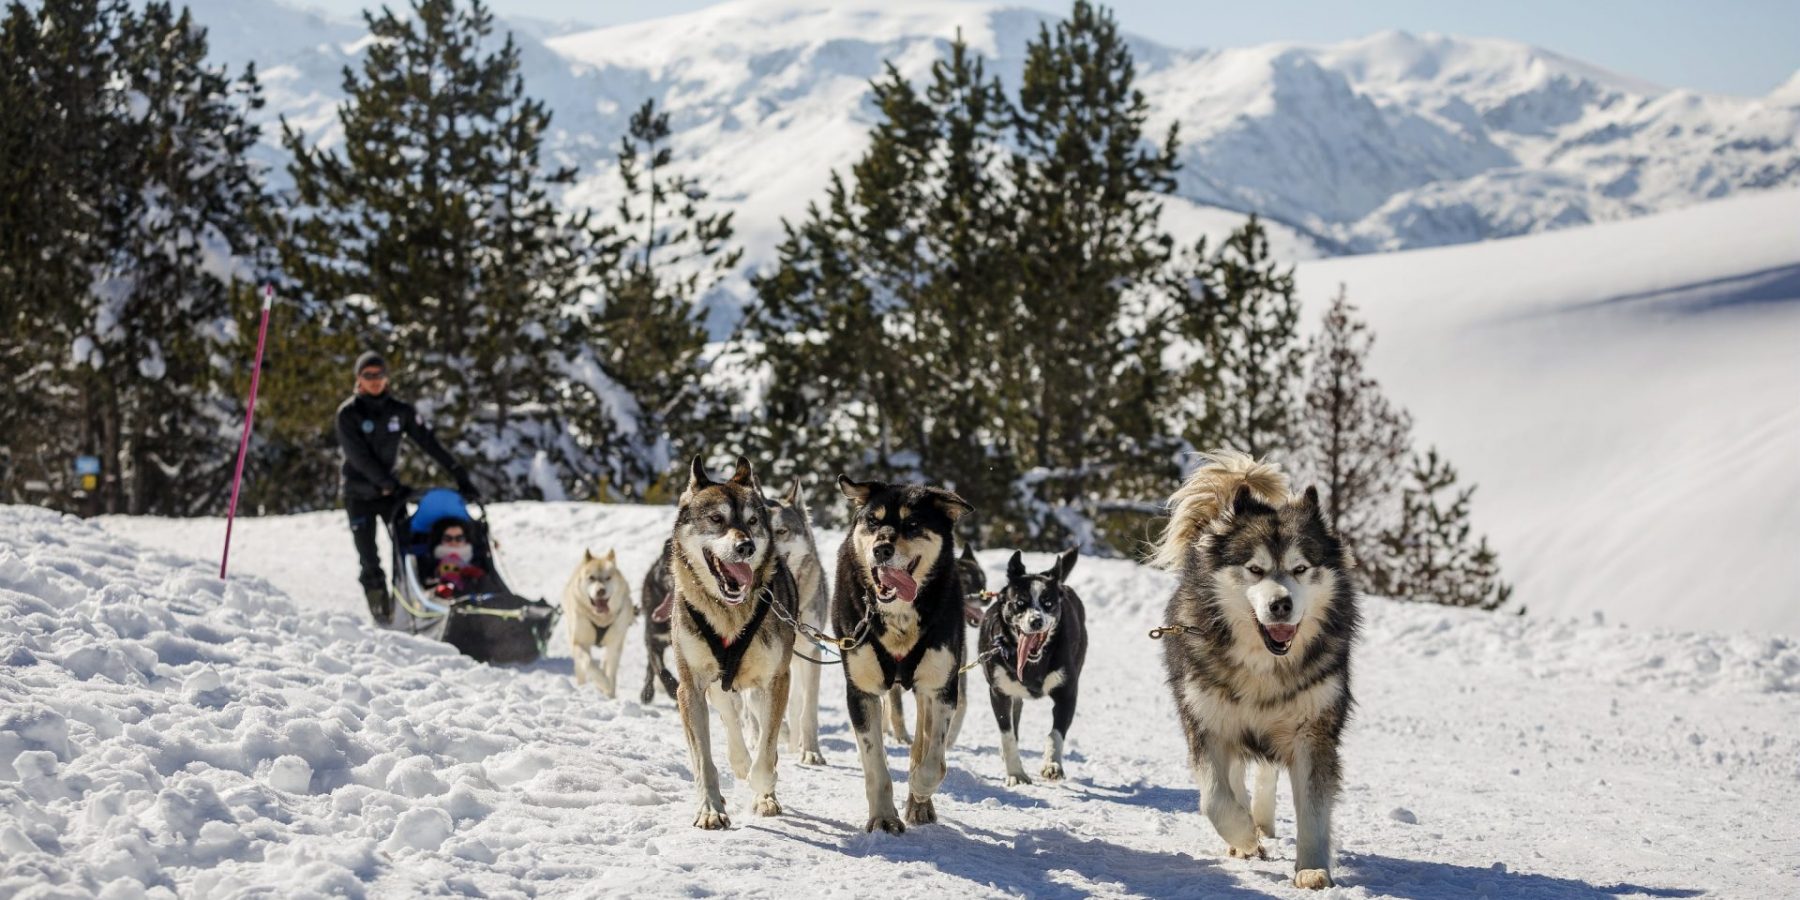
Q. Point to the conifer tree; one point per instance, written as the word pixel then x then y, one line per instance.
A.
pixel 433 235
pixel 1242 390
pixel 640 379
pixel 56 60
pixel 135 158
pixel 1428 554
pixel 1086 183
pixel 1353 443
pixel 883 326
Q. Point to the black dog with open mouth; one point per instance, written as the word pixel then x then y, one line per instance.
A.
pixel 900 602
pixel 1036 630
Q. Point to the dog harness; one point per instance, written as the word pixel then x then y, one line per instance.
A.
pixel 730 651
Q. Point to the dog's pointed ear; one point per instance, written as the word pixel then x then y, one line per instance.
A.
pixel 857 491
pixel 743 474
pixel 1313 505
pixel 697 480
pixel 1065 563
pixel 612 555
pixel 792 497
pixel 953 506
pixel 587 555
pixel 1244 502
pixel 1015 567
pixel 968 552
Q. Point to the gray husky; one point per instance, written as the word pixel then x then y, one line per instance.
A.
pixel 1259 654
pixel 733 601
pixel 794 541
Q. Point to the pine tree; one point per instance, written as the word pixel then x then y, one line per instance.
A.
pixel 195 198
pixel 56 60
pixel 1353 442
pixel 1090 252
pixel 1428 556
pixel 433 235
pixel 883 325
pixel 1241 391
pixel 146 194
pixel 641 379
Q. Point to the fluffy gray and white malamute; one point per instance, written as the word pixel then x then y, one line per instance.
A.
pixel 1259 660
pixel 734 600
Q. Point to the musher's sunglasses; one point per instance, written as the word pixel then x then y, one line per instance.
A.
pixel 373 375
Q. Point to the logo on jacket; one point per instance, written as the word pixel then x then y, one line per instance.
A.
pixel 394 423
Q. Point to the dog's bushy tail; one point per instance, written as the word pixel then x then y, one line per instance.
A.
pixel 1207 496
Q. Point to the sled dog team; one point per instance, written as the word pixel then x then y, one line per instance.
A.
pixel 1256 642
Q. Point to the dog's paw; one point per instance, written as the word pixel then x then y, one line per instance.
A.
pixel 887 822
pixel 1014 779
pixel 1265 830
pixel 1312 879
pixel 647 695
pixel 1233 823
pixel 812 758
pixel 1239 853
pixel 1052 771
pixel 920 811
pixel 766 805
pixel 711 819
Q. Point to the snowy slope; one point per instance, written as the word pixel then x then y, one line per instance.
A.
pixel 1386 142
pixel 165 730
pixel 1625 396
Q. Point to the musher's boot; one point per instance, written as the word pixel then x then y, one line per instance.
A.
pixel 381 605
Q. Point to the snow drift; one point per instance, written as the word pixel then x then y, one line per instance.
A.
pixel 165 733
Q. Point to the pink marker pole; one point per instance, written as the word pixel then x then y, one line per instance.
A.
pixel 237 478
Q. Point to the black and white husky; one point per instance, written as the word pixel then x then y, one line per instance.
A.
pixel 899 597
pixel 974 586
pixel 1259 661
pixel 734 600
pixel 1035 635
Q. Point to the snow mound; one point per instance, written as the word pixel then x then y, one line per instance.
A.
pixel 164 733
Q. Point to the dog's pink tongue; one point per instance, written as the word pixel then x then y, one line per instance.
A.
pixel 1282 633
pixel 896 578
pixel 664 609
pixel 738 571
pixel 1028 644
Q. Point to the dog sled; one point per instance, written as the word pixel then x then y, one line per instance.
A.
pixel 470 608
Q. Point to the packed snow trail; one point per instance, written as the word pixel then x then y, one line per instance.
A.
pixel 163 732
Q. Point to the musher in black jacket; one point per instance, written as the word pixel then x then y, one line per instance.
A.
pixel 369 428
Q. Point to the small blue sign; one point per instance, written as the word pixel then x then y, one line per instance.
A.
pixel 87 465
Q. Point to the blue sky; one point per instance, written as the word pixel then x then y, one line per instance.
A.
pixel 1731 46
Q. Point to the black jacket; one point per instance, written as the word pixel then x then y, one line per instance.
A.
pixel 369 431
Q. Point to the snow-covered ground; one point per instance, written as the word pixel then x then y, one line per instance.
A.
pixel 164 733
pixel 1626 395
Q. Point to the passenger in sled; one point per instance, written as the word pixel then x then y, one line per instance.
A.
pixel 455 572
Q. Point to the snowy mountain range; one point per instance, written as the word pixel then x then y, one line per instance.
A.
pixel 1388 142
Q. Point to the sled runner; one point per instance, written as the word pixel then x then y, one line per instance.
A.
pixel 467 605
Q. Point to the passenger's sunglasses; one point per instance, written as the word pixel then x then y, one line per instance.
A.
pixel 373 375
